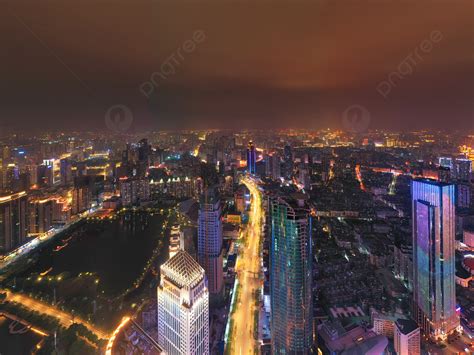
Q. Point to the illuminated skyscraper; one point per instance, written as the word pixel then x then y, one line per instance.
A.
pixel 251 158
pixel 433 257
pixel 183 307
pixel 13 221
pixel 210 240
pixel 290 276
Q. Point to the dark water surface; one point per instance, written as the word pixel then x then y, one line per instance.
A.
pixel 116 250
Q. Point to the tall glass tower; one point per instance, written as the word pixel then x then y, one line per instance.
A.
pixel 434 288
pixel 251 158
pixel 183 307
pixel 291 276
pixel 210 240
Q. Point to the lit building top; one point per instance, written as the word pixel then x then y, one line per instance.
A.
pixel 183 270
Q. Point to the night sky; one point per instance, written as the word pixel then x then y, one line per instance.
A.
pixel 236 64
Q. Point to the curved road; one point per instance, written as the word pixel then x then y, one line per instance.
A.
pixel 64 318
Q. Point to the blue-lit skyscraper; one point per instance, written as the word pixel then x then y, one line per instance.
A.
pixel 290 276
pixel 251 158
pixel 433 257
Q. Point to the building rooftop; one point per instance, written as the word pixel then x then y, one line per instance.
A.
pixel 432 182
pixel 406 326
pixel 183 270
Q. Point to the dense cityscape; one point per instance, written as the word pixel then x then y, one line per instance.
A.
pixel 238 177
pixel 237 242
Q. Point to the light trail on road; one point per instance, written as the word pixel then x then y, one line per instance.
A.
pixel 64 318
pixel 248 273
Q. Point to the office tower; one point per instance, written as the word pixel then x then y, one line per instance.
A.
pixel 183 307
pixel 210 240
pixel 268 169
pixel 433 221
pixel 251 158
pixel 290 276
pixel 272 166
pixel 13 221
pixel 407 337
pixel 276 166
pixel 143 152
pixel 288 162
pixel 462 170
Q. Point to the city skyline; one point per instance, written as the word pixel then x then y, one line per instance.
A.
pixel 241 177
pixel 207 242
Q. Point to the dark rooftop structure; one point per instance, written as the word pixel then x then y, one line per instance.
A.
pixel 406 326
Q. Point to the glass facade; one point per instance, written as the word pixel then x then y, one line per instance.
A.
pixel 251 158
pixel 210 240
pixel 433 257
pixel 290 279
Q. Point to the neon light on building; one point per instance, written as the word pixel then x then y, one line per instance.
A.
pixel 434 258
pixel 290 278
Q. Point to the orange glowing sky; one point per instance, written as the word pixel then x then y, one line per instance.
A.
pixel 264 63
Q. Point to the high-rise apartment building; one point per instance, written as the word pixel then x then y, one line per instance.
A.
pixel 406 337
pixel 273 166
pixel 13 221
